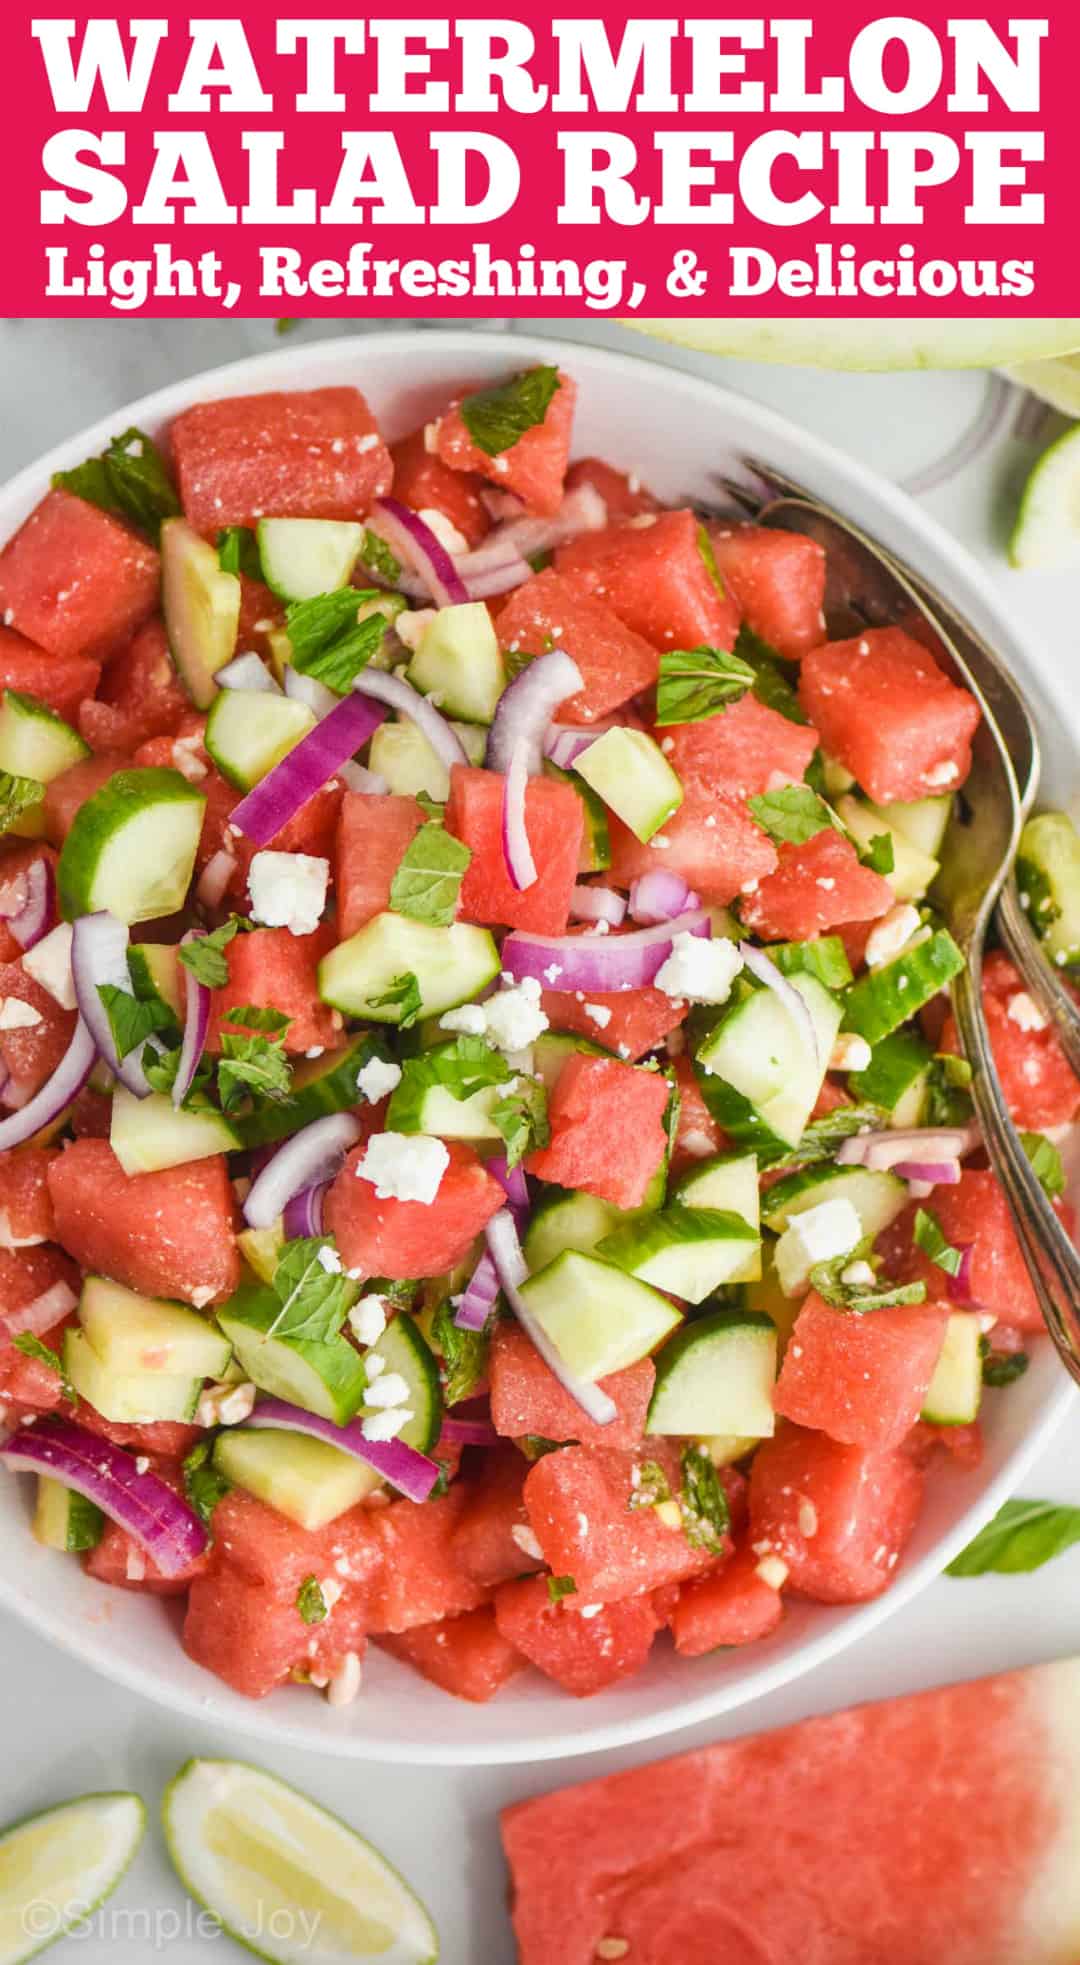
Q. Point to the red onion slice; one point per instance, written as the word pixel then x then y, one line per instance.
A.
pixel 310 1156
pixel 598 962
pixel 479 1296
pixel 505 1250
pixel 766 971
pixel 564 745
pixel 248 673
pixel 42 1313
pixel 517 852
pixel 414 542
pixel 660 896
pixel 929 1173
pixel 412 1473
pixel 514 1185
pixel 28 903
pixel 197 1005
pixel 959 1286
pixel 582 510
pixel 598 904
pixel 56 1093
pixel 469 1432
pixel 357 777
pixel 527 706
pixel 882 1150
pixel 499 579
pixel 213 881
pixel 308 689
pixel 279 796
pixel 303 1214
pixel 400 695
pixel 99 959
pixel 163 1525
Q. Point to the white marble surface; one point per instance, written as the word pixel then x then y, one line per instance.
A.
pixel 66 1731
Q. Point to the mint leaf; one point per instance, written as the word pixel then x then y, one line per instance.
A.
pixel 649 1485
pixel 161 1068
pixel 535 1447
pixel 929 1238
pixel 771 672
pixel 948 1099
pixel 205 956
pixel 1046 1162
pixel 310 1601
pixel 334 636
pixel 559 1587
pixel 252 1067
pixel 204 1485
pixel 522 1120
pixel 314 1300
pixel 705 1512
pixel 404 992
pixel 17 795
pixel 377 556
pixel 822 1136
pixel 256 1016
pixel 1022 1536
pixel 464 1355
pixel 32 1347
pixel 497 418
pixel 131 1019
pixel 129 479
pixel 708 554
pixel 879 855
pixel 429 876
pixel 827 1278
pixel 466 1066
pixel 1001 1367
pixel 697 683
pixel 238 552
pixel 793 814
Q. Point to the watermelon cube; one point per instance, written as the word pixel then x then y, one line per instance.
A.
pixel 305 454
pixel 711 840
pixel 254 1639
pixel 17 856
pixel 265 1547
pixel 61 681
pixel 652 573
pixel 424 483
pixel 159 1439
pixel 816 886
pixel 731 1605
pixel 26 1215
pixel 421 1579
pixel 974 1214
pixel 580 1505
pixel 166 1234
pixel 555 610
pixel 629 1021
pixel 526 1396
pixel 625 496
pixel 273 969
pixel 75 580
pixel 31 1385
pixel 777 580
pixel 260 613
pixel 554 822
pixel 466 1655
pixel 861 1379
pixel 411 1238
pixel 533 468
pixel 140 695
pixel 607 1130
pixel 887 712
pixel 748 748
pixel 1040 1087
pixel 120 1561
pixel 65 794
pixel 372 834
pixel 30 1053
pixel 697 1135
pixel 839 1516
pixel 491 1539
pixel 584 1647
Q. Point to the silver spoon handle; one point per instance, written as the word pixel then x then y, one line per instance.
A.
pixel 1040 975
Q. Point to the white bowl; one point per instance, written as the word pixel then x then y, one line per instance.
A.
pixel 679 433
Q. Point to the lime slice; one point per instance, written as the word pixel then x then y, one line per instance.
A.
pixel 1047 531
pixel 284 1878
pixel 56 1868
pixel 1056 382
pixel 871 344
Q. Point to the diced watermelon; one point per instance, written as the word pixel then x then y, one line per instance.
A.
pixel 420 1580
pixel 487 1542
pixel 625 497
pixel 65 794
pixel 711 840
pixel 526 1396
pixel 1039 1084
pixel 581 1653
pixel 829 1099
pixel 61 681
pixel 312 829
pixel 637 1020
pixel 265 1547
pixel 409 1238
pixel 160 1439
pixel 697 1135
pixel 777 580
pixel 748 748
pixel 554 822
pixel 840 1517
pixel 732 1605
pixel 607 1130
pixel 861 1379
pixel 248 1636
pixel 579 1502
pixel 26 1214
pixel 534 467
pixel 963 1444
pixel 886 711
pixel 31 1052
pixel 466 1655
pixel 76 580
pixel 555 610
pixel 260 612
pixel 31 1384
pixel 26 1274
pixel 166 1234
pixel 372 834
pixel 653 574
pixel 140 695
pixel 311 454
pixel 16 860
pixel 816 886
pixel 972 1214
pixel 424 483
pixel 122 1562
pixel 273 969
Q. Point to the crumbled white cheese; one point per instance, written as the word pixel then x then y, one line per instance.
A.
pixel 388 1389
pixel 808 1518
pixel 468 1019
pixel 377 1078
pixel 599 1014
pixel 367 1319
pixel 514 1017
pixel 589 1610
pixel 772 1571
pixel 17 1015
pixel 385 1425
pixel 552 973
pixel 858 1275
pixel 186 758
pixel 404 1166
pixel 330 1260
pixel 411 626
pixel 522 1535
pixel 669 1513
pixel 288 890
pixel 446 532
pixel 889 935
pixel 817 1235
pixel 374 1365
pixel 225 1405
pixel 849 1053
pixel 941 775
pixel 345 1682
pixel 699 971
pixel 1022 1010
pixel 49 962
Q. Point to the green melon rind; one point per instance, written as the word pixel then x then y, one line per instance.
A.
pixel 871 343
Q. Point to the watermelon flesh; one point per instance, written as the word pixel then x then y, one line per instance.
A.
pixel 555 610
pixel 972 1214
pixel 579 1505
pixel 420 1579
pixel 1040 1087
pixel 313 454
pixel 861 1379
pixel 697 1135
pixel 839 1516
pixel 26 1214
pixel 373 833
pixel 65 793
pixel 492 1537
pixel 411 1238
pixel 554 823
pixel 75 580
pixel 30 1053
pixel 733 1604
pixel 711 840
pixel 652 573
pixel 466 1655
pixel 816 887
pixel 628 1021
pixel 747 748
pixel 533 468
pixel 140 696
pixel 271 968
pixel 584 1647
pixel 777 580
pixel 886 711
pixel 526 1397
pixel 60 681
pixel 120 1561
pixel 165 1234
pixel 624 494
pixel 607 1131
pixel 424 483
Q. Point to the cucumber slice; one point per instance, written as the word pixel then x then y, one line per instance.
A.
pixel 451 966
pixel 897 1078
pixel 923 821
pixel 553 1047
pixel 292 1883
pixel 757 1073
pixel 688 1252
pixel 595 856
pixel 58 1867
pixel 132 1398
pixel 598 1318
pixel 913 871
pixel 726 1448
pixel 1048 876
pixel 836 777
pixel 766 1297
pixel 885 998
pixel 201 606
pixel 319 1086
pixel 400 753
pixel 247 733
pixel 305 557
pixel 149 1134
pixel 406 1351
pixel 132 846
pixel 877 1198
pixel 133 1333
pixel 419 1106
pixel 327 1378
pixel 65 1520
pixel 717 1376
pixel 308 1481
pixel 156 975
pixel 728 1182
pixel 34 741
pixel 459 663
pixel 1046 536
pixel 261 1249
pixel 563 1219
pixel 955 1390
pixel 825 959
pixel 633 777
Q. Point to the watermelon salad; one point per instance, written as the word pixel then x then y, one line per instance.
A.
pixel 485 1164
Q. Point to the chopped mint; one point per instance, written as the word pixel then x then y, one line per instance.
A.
pixel 793 814
pixel 252 1067
pixel 131 1019
pixel 697 683
pixel 464 1355
pixel 463 1067
pixel 948 1098
pixel 17 795
pixel 129 480
pixel 522 1120
pixel 708 554
pixel 205 956
pixel 314 1300
pixel 879 855
pixel 705 1512
pixel 204 1484
pixel 1046 1162
pixel 822 1136
pixel 377 556
pixel 1022 1536
pixel 429 876
pixel 650 1485
pixel 403 991
pixel 310 1601
pixel 559 1587
pixel 1001 1367
pixel 771 685
pixel 258 1016
pixel 238 552
pixel 827 1278
pixel 534 1446
pixel 930 1239
pixel 497 418
pixel 331 640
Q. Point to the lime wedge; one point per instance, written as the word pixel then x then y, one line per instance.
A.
pixel 56 1868
pixel 291 1882
pixel 1046 535
pixel 870 344
pixel 1056 381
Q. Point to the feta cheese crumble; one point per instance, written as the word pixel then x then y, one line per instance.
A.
pixel 49 963
pixel 376 1078
pixel 468 1020
pixel 512 1019
pixel 817 1235
pixel 1022 1010
pixel 699 971
pixel 367 1319
pixel 17 1015
pixel 388 1389
pixel 849 1053
pixel 889 935
pixel 599 1014
pixel 288 890
pixel 225 1405
pixel 386 1425
pixel 404 1166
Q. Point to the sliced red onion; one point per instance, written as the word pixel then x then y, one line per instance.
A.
pixel 213 881
pixel 564 745
pixel 99 959
pixel 312 1155
pixel 400 695
pixel 764 968
pixel 959 1286
pixel 163 1525
pixel 527 706
pixel 582 510
pixel 42 1313
pixel 514 1185
pixel 500 504
pixel 517 853
pixel 414 542
pixel 598 904
pixel 279 796
pixel 929 1173
pixel 499 579
pixel 505 1250
pixel 882 1150
pixel 478 1298
pixel 356 777
pixel 469 1432
pixel 598 962
pixel 249 673
pixel 308 689
pixel 303 1214
pixel 28 903
pixel 197 1005
pixel 412 1473
pixel 660 896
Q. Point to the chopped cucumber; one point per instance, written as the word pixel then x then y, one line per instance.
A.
pixel 729 1182
pixel 897 1078
pixel 595 856
pixel 459 664
pixel 922 821
pixel 566 1219
pixel 956 1387
pixel 418 1106
pixel 131 1398
pixel 261 1249
pixel 825 958
pixel 885 998
pixel 688 1252
pixel 325 1377
pixel 633 777
pixel 201 605
pixel 554 1047
pixel 757 1072
pixel 877 1198
pixel 248 732
pixel 319 1086
pixel 133 1333
pixel 767 1298
pixel 726 1448
pixel 451 966
pixel 912 871
pixel 717 1376
pixel 65 1520
pixel 406 1351
pixel 1046 536
pixel 132 846
pixel 34 741
pixel 156 975
pixel 400 753
pixel 149 1134
pixel 599 1319
pixel 305 557
pixel 308 1481
pixel 835 776
pixel 1048 876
